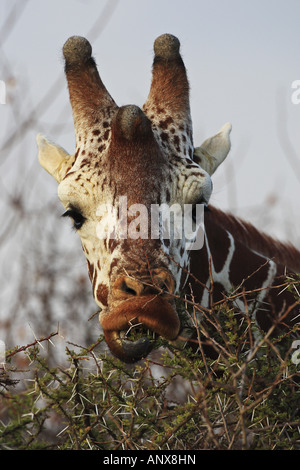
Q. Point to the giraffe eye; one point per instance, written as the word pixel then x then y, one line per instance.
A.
pixel 77 217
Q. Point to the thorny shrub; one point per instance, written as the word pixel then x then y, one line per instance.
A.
pixel 230 387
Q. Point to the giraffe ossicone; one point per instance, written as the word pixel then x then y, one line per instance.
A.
pixel 148 157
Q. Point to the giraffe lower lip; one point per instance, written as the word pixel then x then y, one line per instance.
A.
pixel 136 350
pixel 125 349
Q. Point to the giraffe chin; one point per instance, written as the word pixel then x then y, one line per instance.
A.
pixel 150 312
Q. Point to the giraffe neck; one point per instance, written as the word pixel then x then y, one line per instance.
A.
pixel 226 264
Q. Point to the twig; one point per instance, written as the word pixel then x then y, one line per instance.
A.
pixel 37 341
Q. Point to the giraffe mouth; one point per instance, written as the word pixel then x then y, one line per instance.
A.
pixel 131 329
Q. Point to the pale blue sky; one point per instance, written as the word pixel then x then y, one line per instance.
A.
pixel 241 57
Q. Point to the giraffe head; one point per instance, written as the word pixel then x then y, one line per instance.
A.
pixel 127 161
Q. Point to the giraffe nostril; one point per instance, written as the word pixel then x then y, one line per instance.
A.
pixel 128 286
pixel 127 289
pixel 161 282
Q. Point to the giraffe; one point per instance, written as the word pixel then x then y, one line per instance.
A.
pixel 146 156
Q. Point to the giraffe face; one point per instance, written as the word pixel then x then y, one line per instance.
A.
pixel 128 164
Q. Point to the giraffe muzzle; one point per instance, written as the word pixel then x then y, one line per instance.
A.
pixel 144 310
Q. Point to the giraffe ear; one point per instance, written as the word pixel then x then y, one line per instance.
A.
pixel 214 150
pixel 54 158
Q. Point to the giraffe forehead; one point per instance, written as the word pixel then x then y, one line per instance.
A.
pixel 96 179
pixel 95 184
pixel 173 139
pixel 173 151
pixel 156 171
